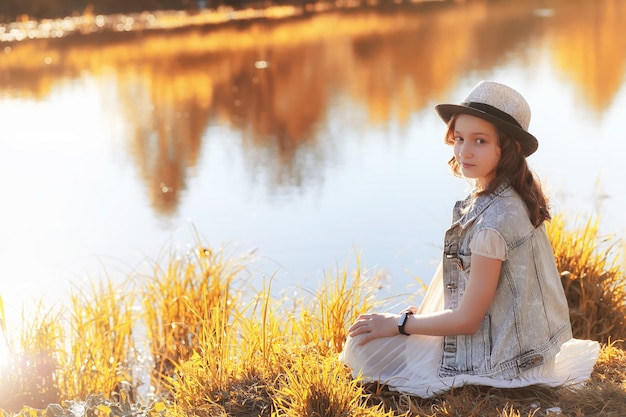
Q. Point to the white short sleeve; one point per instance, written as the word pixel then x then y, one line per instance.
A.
pixel 490 244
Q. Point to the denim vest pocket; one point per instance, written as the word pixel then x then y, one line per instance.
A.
pixel 478 348
pixel 468 354
pixel 483 356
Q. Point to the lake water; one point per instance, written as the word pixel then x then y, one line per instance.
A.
pixel 307 140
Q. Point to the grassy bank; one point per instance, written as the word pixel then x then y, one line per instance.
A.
pixel 192 339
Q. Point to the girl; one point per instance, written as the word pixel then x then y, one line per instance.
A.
pixel 495 313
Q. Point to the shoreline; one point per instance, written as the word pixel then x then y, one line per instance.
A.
pixel 166 20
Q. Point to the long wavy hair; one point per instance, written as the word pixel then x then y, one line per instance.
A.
pixel 513 168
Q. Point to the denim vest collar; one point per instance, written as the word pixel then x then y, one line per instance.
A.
pixel 465 211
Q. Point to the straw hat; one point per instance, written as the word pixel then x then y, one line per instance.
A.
pixel 500 105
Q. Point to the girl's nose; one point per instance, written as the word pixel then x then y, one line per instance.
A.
pixel 464 150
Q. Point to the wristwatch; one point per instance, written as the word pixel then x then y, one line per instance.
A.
pixel 404 316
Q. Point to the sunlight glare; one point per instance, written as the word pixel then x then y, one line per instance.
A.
pixel 4 354
pixel 4 349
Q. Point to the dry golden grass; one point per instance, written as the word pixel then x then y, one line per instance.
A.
pixel 314 387
pixel 339 300
pixel 593 279
pixel 98 351
pixel 181 299
pixel 215 354
pixel 248 366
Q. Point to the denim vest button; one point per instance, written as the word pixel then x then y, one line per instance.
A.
pixel 532 362
pixel 451 286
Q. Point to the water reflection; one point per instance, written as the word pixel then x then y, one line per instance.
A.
pixel 326 111
pixel 171 86
pixel 166 117
pixel 589 47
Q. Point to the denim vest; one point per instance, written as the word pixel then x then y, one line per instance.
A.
pixel 528 318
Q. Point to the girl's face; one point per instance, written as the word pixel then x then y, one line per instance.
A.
pixel 476 148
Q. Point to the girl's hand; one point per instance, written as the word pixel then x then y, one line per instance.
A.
pixel 413 309
pixel 373 326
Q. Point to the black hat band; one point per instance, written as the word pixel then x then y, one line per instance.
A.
pixel 493 111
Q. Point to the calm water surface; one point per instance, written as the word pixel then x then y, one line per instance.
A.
pixel 306 141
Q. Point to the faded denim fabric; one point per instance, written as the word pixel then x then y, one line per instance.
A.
pixel 528 319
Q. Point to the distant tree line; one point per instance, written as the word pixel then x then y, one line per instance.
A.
pixel 12 10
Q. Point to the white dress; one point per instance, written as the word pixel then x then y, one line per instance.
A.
pixel 410 364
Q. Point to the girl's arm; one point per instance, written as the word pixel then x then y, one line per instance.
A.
pixel 465 319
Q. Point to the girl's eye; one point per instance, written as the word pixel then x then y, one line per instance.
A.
pixel 458 139
pixel 480 141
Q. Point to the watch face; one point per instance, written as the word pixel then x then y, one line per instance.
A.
pixel 403 318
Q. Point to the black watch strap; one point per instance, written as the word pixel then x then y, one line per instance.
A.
pixel 404 317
